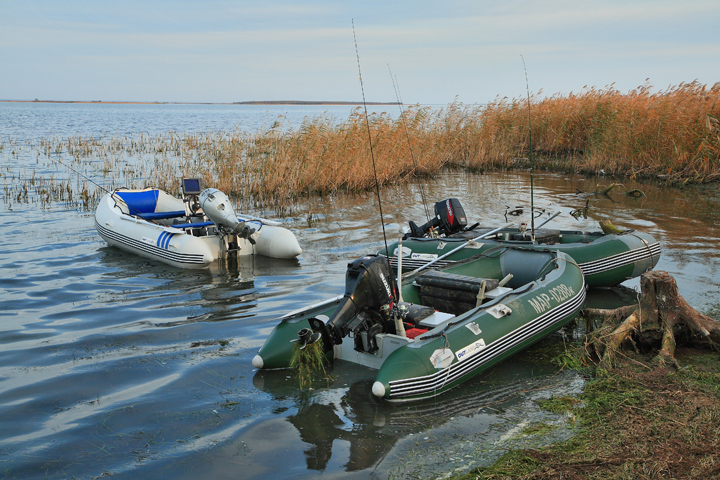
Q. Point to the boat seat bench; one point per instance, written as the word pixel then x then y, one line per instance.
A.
pixel 449 292
pixel 192 225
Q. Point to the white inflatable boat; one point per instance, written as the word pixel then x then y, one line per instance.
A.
pixel 188 233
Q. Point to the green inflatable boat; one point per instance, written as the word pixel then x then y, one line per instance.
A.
pixel 443 327
pixel 606 259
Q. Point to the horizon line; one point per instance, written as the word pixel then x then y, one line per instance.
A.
pixel 252 102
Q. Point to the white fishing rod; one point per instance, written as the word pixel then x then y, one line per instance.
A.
pixel 457 248
pixel 532 199
pixel 367 124
pixel 546 221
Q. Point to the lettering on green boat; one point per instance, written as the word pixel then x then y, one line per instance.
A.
pixel 560 293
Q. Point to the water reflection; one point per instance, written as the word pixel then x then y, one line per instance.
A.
pixel 152 363
pixel 341 423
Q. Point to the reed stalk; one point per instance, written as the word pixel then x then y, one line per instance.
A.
pixel 672 135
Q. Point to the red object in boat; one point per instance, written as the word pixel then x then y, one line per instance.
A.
pixel 414 332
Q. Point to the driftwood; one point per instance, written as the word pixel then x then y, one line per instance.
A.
pixel 659 320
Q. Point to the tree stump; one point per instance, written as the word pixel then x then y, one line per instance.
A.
pixel 659 320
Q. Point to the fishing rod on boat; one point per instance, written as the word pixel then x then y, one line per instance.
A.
pixel 399 327
pixel 407 136
pixel 551 217
pixel 458 248
pixel 367 124
pixel 82 175
pixel 89 180
pixel 532 205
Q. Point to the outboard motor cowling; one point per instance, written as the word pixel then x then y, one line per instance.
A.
pixel 369 290
pixel 449 218
pixel 219 210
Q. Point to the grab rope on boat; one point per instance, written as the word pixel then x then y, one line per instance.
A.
pixel 555 260
pixel 444 344
pixel 647 246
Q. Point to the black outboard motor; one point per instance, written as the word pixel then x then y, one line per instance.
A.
pixel 370 294
pixel 449 218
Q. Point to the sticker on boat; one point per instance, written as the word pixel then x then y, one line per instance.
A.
pixel 441 358
pixel 148 240
pixel 406 252
pixel 423 256
pixel 470 350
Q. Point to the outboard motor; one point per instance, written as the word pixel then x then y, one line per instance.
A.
pixel 449 218
pixel 370 296
pixel 218 208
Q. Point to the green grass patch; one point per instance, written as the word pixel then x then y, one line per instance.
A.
pixel 632 422
pixel 560 405
pixel 538 429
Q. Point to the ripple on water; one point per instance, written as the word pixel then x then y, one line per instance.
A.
pixel 112 364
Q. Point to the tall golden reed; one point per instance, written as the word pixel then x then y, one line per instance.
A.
pixel 673 134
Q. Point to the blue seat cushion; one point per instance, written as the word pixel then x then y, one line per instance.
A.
pixel 139 202
pixel 160 215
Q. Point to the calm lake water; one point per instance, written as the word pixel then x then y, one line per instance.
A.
pixel 114 365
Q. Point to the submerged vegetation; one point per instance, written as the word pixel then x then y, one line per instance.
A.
pixel 673 135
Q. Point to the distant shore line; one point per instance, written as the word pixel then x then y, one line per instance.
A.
pixel 259 102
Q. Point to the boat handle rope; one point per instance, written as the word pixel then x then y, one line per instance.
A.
pixel 447 375
pixel 554 260
pixel 647 246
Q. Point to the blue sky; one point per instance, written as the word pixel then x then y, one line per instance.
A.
pixel 227 51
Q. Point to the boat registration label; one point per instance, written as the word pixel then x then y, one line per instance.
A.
pixel 470 350
pixel 541 302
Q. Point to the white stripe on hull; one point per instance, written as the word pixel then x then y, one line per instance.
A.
pixel 589 268
pixel 621 259
pixel 436 381
pixel 158 251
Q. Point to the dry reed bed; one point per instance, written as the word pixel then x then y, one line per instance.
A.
pixel 673 134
